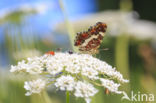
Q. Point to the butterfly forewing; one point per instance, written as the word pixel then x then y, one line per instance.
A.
pixel 89 41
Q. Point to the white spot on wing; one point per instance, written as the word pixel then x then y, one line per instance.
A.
pixel 102 33
pixel 89 39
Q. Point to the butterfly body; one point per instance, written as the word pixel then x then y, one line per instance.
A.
pixel 89 41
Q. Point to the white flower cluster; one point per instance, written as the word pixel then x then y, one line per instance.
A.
pixel 65 83
pixel 35 86
pixel 76 73
pixel 85 90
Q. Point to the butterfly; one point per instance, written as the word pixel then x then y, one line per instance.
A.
pixel 89 41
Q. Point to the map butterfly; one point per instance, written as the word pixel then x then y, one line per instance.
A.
pixel 89 41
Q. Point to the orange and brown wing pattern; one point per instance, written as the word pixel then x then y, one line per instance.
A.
pixel 89 41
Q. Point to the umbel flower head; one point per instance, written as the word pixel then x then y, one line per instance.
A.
pixel 76 73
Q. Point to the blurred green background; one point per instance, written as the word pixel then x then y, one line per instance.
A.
pixel 32 27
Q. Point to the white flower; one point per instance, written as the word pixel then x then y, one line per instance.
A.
pixel 106 69
pixel 119 77
pixel 90 73
pixel 68 71
pixel 110 85
pixel 35 65
pixel 72 68
pixel 65 83
pixel 35 86
pixel 71 63
pixel 54 67
pixel 22 66
pixel 85 90
pixel 37 8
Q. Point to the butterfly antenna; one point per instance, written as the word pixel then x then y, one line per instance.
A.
pixel 104 49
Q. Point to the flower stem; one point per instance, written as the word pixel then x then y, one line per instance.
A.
pixel 69 26
pixel 46 97
pixel 122 57
pixel 67 97
pixel 126 5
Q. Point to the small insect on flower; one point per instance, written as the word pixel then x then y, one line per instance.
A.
pixel 70 52
pixel 89 41
pixel 50 53
pixel 107 91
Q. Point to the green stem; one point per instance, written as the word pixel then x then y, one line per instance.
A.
pixel 46 97
pixel 68 25
pixel 67 97
pixel 126 5
pixel 122 56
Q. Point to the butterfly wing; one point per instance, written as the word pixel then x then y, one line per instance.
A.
pixel 89 41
